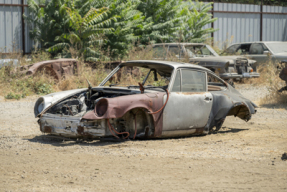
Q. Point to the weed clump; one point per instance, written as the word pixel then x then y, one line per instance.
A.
pixel 269 76
pixel 11 95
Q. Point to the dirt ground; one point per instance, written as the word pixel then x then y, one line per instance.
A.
pixel 240 157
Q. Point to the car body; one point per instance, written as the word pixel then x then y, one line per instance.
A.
pixel 261 51
pixel 227 67
pixel 57 68
pixel 174 99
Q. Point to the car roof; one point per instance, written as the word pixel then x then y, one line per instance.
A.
pixel 179 44
pixel 259 42
pixel 172 64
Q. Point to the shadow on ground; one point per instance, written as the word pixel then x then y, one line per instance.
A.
pixel 274 106
pixel 62 141
pixel 229 130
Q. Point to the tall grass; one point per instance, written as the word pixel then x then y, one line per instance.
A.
pixel 269 76
pixel 14 85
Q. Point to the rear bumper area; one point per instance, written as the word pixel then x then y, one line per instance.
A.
pixel 254 75
pixel 239 76
pixel 230 75
pixel 72 126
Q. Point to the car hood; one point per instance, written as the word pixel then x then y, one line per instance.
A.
pixel 219 58
pixel 45 102
pixel 233 57
pixel 283 55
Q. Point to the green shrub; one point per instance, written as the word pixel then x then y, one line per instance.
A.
pixel 14 96
pixel 43 88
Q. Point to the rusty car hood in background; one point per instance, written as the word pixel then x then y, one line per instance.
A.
pixel 57 68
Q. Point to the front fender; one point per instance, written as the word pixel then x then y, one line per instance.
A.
pixel 119 106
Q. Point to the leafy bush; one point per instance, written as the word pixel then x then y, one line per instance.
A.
pixel 14 96
pixel 43 88
pixel 269 75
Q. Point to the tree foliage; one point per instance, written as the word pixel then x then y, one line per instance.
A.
pixel 196 17
pixel 85 34
pixel 47 22
pixel 115 25
pixel 161 20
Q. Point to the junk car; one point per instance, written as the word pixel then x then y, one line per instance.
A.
pixel 227 67
pixel 144 99
pixel 261 51
pixel 57 68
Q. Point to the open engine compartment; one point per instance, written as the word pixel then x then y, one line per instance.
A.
pixel 80 103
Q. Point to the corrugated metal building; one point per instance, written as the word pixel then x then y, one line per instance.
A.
pixel 236 22
pixel 242 23
pixel 12 28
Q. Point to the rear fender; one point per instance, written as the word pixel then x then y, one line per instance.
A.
pixel 225 105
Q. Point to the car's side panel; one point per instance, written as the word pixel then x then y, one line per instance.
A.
pixel 186 111
pixel 256 53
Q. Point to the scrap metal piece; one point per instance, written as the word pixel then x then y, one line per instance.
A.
pixel 57 68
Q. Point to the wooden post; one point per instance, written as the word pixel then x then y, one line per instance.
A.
pixel 23 27
pixel 261 20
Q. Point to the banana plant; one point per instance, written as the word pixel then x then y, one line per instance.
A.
pixel 86 35
pixel 48 21
pixel 195 16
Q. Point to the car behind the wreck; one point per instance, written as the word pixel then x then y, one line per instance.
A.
pixel 227 67
pixel 144 99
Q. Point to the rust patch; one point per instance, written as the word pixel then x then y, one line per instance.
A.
pixel 47 129
pixel 80 130
pixel 56 68
pixel 199 131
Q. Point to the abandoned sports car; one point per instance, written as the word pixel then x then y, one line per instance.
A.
pixel 144 99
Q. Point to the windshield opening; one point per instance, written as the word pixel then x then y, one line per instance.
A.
pixel 278 47
pixel 198 51
pixel 131 76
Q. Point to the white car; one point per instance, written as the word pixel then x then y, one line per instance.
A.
pixel 144 99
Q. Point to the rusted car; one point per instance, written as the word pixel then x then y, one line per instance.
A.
pixel 57 68
pixel 227 67
pixel 151 99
